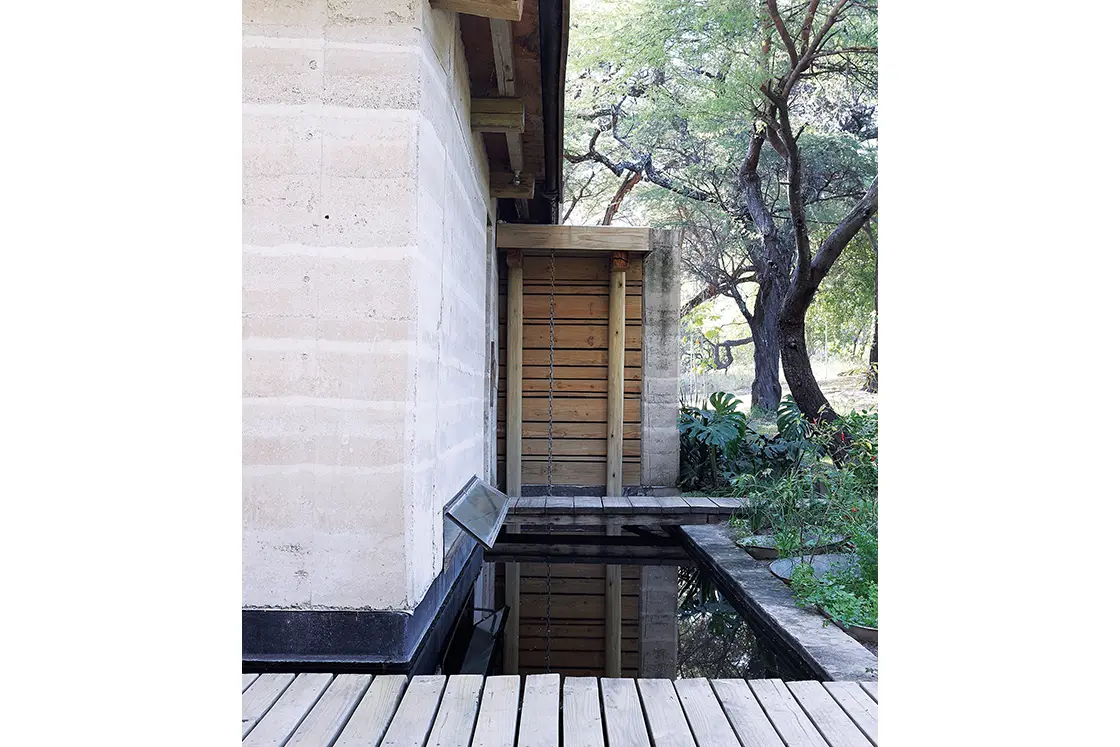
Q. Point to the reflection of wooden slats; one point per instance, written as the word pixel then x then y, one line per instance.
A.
pixel 579 336
pixel 570 410
pixel 572 447
pixel 572 570
pixel 590 307
pixel 594 659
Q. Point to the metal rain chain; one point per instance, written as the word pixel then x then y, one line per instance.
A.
pixel 551 386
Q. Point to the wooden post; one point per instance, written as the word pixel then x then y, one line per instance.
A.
pixel 515 317
pixel 616 361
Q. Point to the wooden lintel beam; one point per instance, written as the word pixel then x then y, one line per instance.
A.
pixel 510 10
pixel 498 114
pixel 574 238
pixel 506 185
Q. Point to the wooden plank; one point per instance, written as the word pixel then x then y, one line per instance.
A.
pixel 709 724
pixel 331 713
pixel 513 186
pixel 630 431
pixel 497 714
pixel 591 504
pixel 573 335
pixel 745 714
pixel 584 306
pixel 417 710
pixel 592 271
pixel 872 689
pixel 699 504
pixel 559 504
pixel 246 680
pixel 827 715
pixel 580 386
pixel 260 696
pixel 581 358
pixel 566 410
pixel 370 720
pixel 858 705
pixel 667 723
pixel 540 712
pixel 583 721
pixel 789 719
pixel 514 416
pixel 497 114
pixel 580 238
pixel 454 722
pixel 510 10
pixel 622 713
pixel 288 711
pixel 571 373
pixel 617 504
pixel 576 473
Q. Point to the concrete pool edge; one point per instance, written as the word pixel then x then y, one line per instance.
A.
pixel 756 593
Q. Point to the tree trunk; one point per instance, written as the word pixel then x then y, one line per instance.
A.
pixel 766 391
pixel 873 358
pixel 799 370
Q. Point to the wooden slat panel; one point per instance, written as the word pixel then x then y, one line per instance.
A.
pixel 830 719
pixel 497 714
pixel 622 713
pixel 260 696
pixel 331 713
pixel 745 714
pixel 631 431
pixel 571 373
pixel 578 336
pixel 285 714
pixel 582 410
pixel 561 586
pixel 569 386
pixel 572 306
pixel 371 718
pixel 589 271
pixel 579 629
pixel 789 719
pixel 581 238
pixel 667 723
pixel 709 725
pixel 541 287
pixel 858 705
pixel 246 680
pixel 573 447
pixel 583 722
pixel 540 712
pixel 576 473
pixel 417 710
pixel 457 711
pixel 585 357
pixel 872 689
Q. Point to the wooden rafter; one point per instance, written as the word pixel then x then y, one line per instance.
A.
pixel 509 10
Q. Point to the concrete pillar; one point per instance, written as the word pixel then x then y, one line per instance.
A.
pixel 661 361
pixel 657 621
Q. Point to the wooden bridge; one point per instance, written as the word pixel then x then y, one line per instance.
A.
pixel 346 710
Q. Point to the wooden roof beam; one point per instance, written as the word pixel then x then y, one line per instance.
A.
pixel 501 35
pixel 502 114
pixel 509 10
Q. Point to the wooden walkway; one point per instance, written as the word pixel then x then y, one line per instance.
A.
pixel 346 710
pixel 592 511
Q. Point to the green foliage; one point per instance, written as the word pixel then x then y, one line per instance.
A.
pixel 792 423
pixel 846 596
pixel 718 448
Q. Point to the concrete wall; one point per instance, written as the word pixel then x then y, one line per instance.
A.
pixel 364 311
pixel 661 361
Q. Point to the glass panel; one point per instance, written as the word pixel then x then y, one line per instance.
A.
pixel 480 510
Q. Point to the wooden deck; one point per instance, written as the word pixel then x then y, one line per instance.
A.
pixel 593 511
pixel 345 710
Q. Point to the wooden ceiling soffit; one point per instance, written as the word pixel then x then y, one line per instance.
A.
pixel 503 114
pixel 574 238
pixel 509 10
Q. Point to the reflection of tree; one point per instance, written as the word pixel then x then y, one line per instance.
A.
pixel 714 640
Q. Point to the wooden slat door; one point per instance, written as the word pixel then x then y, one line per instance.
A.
pixel 579 408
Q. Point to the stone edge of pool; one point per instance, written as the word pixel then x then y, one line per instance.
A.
pixel 755 592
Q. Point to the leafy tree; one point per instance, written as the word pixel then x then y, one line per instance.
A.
pixel 690 107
